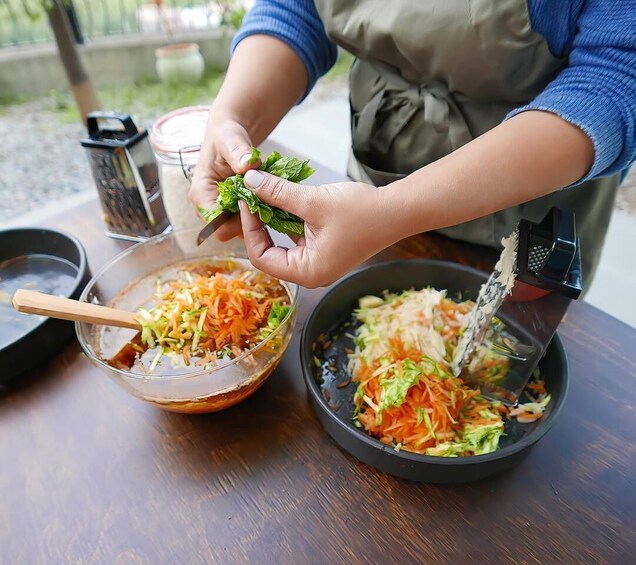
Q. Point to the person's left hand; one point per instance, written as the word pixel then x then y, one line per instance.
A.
pixel 345 224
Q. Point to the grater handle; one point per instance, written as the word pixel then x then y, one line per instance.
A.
pixel 93 125
pixel 564 244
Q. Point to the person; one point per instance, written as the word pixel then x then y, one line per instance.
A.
pixel 468 116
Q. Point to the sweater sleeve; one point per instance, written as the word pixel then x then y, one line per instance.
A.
pixel 296 22
pixel 597 90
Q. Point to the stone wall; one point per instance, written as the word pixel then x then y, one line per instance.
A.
pixel 29 71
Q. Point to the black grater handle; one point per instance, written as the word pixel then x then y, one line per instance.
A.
pixel 564 244
pixel 549 254
pixel 93 125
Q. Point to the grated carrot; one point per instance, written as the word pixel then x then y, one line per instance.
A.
pixel 211 315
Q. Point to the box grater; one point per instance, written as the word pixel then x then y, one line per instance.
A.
pixel 125 175
pixel 522 304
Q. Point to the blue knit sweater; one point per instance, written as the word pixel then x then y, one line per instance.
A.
pixel 596 91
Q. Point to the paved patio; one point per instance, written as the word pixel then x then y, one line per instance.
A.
pixel 34 184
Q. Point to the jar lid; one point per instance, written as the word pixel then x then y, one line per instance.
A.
pixel 181 130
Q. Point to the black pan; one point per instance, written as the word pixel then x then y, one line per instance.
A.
pixel 44 260
pixel 334 405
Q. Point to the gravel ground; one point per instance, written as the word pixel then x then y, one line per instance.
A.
pixel 41 160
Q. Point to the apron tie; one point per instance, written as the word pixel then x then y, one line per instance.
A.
pixel 401 100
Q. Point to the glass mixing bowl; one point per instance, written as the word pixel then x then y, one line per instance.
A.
pixel 128 281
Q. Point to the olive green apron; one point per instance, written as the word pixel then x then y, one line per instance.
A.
pixel 431 75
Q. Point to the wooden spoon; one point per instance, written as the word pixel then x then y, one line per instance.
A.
pixel 32 302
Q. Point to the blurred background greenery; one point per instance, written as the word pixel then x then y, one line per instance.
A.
pixel 24 21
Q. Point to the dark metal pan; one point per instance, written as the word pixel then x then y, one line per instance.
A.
pixel 45 260
pixel 333 404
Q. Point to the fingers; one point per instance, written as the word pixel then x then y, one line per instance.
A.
pixel 263 254
pixel 202 194
pixel 233 152
pixel 295 198
pixel 237 151
pixel 256 236
pixel 230 229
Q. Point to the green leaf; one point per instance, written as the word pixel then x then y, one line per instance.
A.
pixel 289 227
pixel 256 156
pixel 265 214
pixel 269 162
pixel 232 189
pixel 291 169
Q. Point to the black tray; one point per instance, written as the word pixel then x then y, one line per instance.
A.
pixel 334 406
pixel 40 341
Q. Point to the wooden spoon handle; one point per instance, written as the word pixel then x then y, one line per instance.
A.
pixel 32 302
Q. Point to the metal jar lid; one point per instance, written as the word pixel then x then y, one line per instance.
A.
pixel 176 137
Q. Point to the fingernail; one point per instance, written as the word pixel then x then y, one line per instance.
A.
pixel 253 179
pixel 245 158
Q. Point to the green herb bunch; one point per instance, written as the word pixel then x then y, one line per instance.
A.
pixel 232 189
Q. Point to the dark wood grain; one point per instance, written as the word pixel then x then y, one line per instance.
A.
pixel 91 474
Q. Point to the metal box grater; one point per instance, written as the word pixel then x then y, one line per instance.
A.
pixel 547 278
pixel 126 176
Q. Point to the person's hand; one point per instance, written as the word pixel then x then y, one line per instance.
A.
pixel 345 224
pixel 226 151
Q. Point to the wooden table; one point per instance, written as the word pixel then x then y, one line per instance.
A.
pixel 91 474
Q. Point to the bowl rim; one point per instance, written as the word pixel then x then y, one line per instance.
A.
pixel 370 441
pixel 292 289
pixel 82 271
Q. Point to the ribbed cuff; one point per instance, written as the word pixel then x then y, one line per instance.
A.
pixel 596 115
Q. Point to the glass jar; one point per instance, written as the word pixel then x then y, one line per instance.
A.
pixel 176 139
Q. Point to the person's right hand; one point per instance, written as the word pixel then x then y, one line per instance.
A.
pixel 345 224
pixel 226 151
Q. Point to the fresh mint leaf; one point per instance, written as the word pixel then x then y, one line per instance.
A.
pixel 288 227
pixel 229 193
pixel 291 169
pixel 232 189
pixel 269 162
pixel 266 214
pixel 256 156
